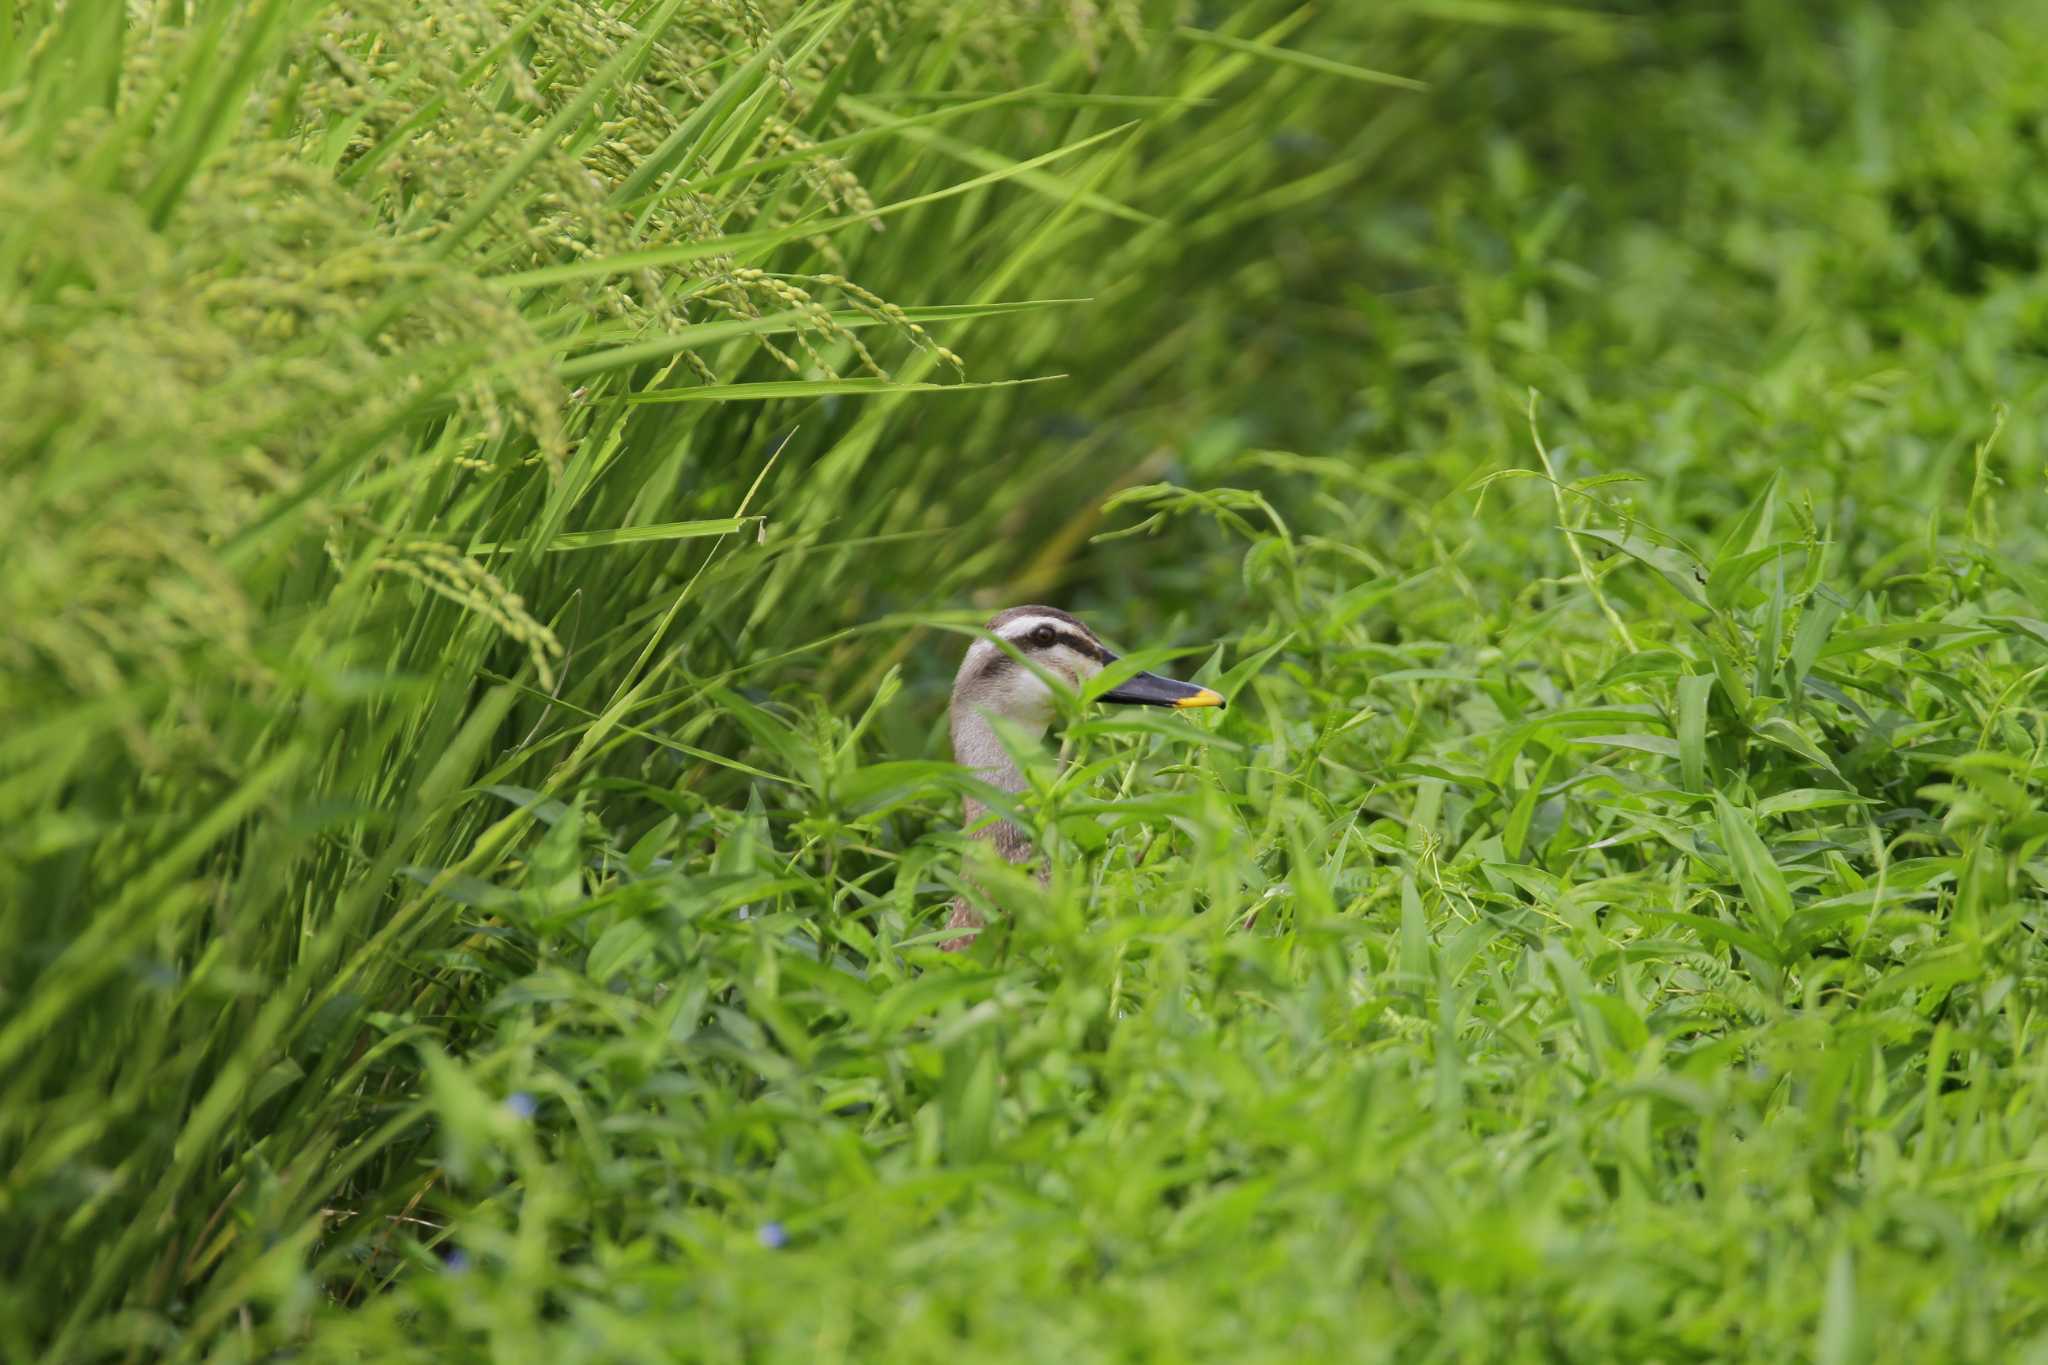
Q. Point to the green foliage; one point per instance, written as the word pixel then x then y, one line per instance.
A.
pixel 493 495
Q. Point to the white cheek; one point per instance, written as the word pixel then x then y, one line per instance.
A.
pixel 1079 667
pixel 1026 695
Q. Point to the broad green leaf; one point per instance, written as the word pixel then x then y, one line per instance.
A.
pixel 1763 883
pixel 1679 567
pixel 618 949
pixel 1694 690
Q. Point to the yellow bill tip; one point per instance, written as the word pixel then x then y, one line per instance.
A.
pixel 1202 698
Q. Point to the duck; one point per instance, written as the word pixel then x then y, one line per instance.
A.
pixel 1007 673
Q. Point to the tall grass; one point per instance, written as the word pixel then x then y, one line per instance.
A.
pixel 387 383
pixel 490 495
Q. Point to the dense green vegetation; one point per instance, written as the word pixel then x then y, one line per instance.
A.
pixel 491 497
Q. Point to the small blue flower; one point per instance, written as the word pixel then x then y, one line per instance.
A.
pixel 521 1104
pixel 455 1261
pixel 773 1236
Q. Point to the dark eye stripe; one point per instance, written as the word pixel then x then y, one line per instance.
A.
pixel 1082 647
pixel 1085 648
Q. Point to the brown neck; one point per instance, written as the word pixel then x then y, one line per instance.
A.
pixel 975 746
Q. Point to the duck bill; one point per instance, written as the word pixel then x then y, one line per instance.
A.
pixel 1149 689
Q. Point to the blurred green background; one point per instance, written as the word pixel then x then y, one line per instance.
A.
pixel 491 498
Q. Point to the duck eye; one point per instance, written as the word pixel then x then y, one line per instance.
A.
pixel 1044 636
